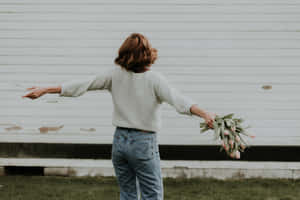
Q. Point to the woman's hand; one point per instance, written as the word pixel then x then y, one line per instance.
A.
pixel 209 119
pixel 207 116
pixel 35 92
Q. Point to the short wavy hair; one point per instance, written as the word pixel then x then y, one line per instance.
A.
pixel 136 54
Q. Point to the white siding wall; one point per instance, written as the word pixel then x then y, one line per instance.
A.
pixel 218 52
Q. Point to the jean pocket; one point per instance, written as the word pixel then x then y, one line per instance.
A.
pixel 144 149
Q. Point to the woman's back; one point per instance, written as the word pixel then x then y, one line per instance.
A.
pixel 135 101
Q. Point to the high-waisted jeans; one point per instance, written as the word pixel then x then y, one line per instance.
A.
pixel 136 160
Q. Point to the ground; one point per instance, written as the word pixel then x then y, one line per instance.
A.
pixel 66 188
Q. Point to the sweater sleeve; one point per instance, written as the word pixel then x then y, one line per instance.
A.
pixel 74 88
pixel 167 93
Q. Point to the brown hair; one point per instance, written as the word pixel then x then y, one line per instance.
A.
pixel 136 54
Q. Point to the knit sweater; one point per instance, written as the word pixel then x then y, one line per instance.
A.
pixel 137 97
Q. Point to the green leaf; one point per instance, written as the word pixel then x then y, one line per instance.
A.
pixel 202 125
pixel 227 122
pixel 216 129
pixel 247 127
pixel 223 127
pixel 222 130
pixel 239 120
pixel 221 149
pixel 228 116
pixel 217 133
pixel 204 129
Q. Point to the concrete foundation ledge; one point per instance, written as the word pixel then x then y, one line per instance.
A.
pixel 187 169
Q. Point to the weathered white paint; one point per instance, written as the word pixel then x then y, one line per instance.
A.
pixel 225 51
pixel 174 169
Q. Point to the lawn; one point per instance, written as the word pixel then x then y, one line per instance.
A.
pixel 66 188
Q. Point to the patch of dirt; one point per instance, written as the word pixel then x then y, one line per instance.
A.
pixel 13 128
pixel 46 129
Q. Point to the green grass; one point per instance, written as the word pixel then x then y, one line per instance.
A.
pixel 66 188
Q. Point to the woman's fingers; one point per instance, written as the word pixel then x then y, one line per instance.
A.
pixel 30 95
pixel 210 123
pixel 27 95
pixel 32 88
pixel 211 120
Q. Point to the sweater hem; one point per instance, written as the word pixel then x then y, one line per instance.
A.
pixel 117 124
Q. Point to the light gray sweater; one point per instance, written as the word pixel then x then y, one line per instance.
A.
pixel 136 96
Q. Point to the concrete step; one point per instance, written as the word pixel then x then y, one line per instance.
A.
pixel 174 169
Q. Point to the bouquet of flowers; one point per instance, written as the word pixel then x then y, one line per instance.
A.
pixel 229 130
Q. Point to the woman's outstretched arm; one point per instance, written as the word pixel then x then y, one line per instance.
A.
pixel 74 88
pixel 36 92
pixel 184 105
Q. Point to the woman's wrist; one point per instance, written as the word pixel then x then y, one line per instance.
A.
pixel 44 90
pixel 197 111
pixel 52 89
pixel 205 115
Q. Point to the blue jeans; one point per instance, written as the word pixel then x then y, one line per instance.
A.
pixel 136 160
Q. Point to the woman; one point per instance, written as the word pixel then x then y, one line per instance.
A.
pixel 137 94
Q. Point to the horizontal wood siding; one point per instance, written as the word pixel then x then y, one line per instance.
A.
pixel 221 53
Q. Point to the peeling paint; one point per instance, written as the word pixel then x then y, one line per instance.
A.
pixel 88 129
pixel 13 128
pixel 267 87
pixel 46 129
